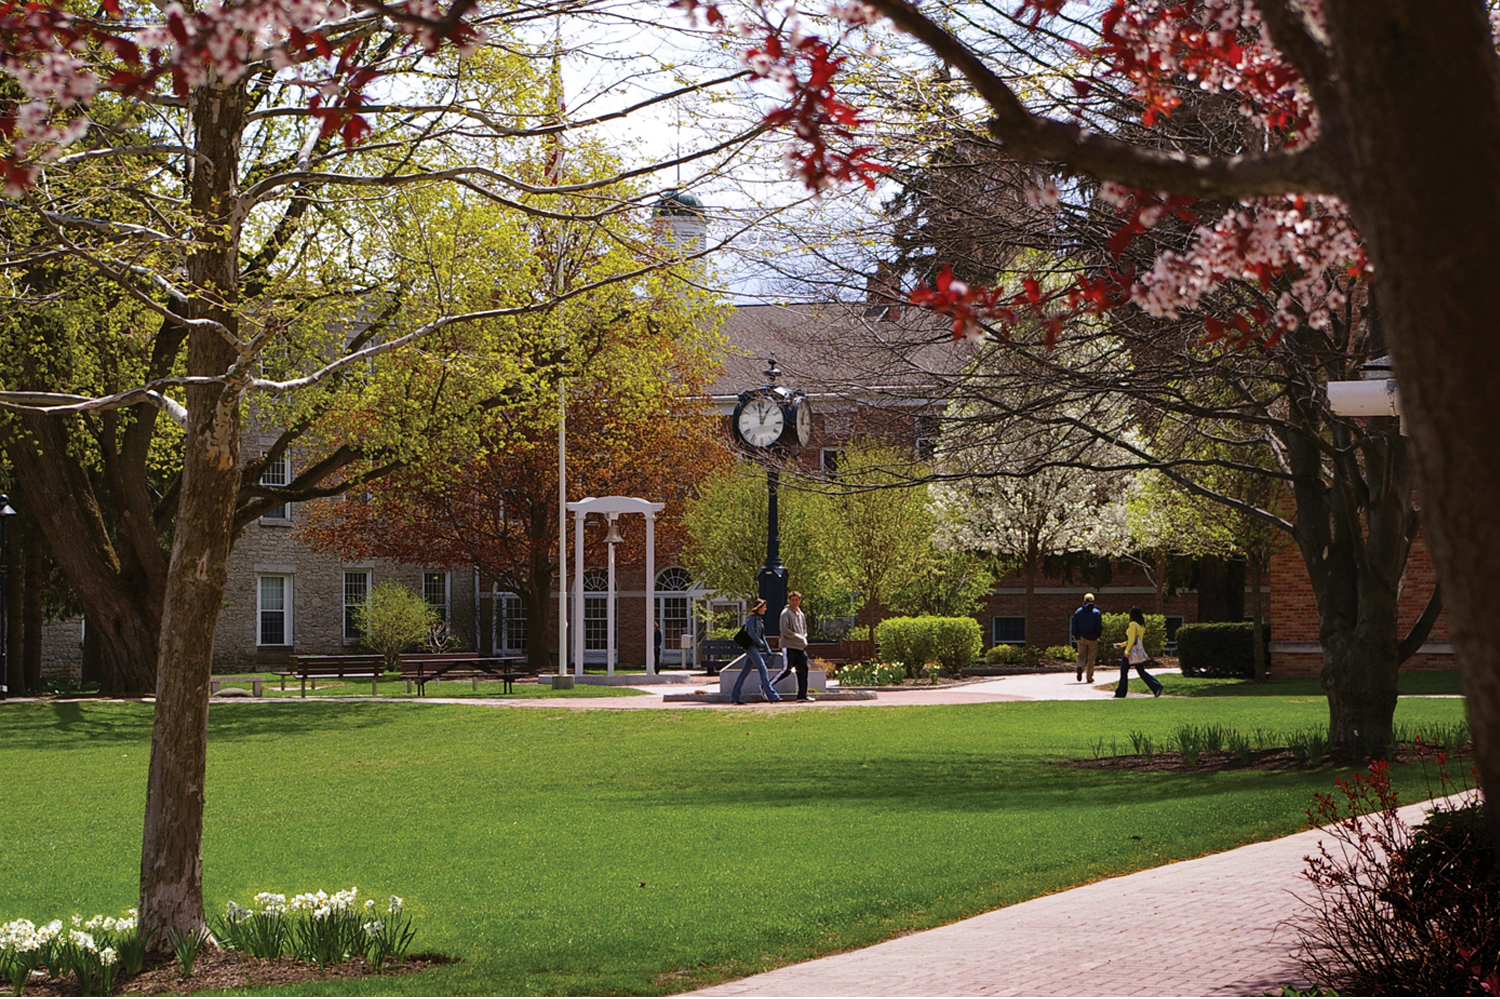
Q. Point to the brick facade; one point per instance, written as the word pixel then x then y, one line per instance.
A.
pixel 1295 646
pixel 1055 602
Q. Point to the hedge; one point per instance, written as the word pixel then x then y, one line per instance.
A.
pixel 913 642
pixel 1221 648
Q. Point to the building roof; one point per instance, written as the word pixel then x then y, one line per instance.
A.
pixel 839 349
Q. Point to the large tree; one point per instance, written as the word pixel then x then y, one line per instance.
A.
pixel 227 170
pixel 635 427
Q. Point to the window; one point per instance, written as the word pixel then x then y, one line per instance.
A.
pixel 675 580
pixel 512 623
pixel 435 592
pixel 356 598
pixel 926 428
pixel 277 473
pixel 672 612
pixel 274 610
pixel 595 623
pixel 831 459
pixel 596 610
pixel 1009 631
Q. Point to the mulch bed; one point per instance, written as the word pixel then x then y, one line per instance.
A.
pixel 224 969
pixel 1260 759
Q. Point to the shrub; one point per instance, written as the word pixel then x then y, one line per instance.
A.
pixel 1397 910
pixel 913 642
pixel 906 642
pixel 1223 648
pixel 1114 631
pixel 1004 655
pixel 393 621
pixel 1064 652
pixel 956 642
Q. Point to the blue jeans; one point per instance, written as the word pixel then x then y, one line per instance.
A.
pixel 753 658
pixel 1140 668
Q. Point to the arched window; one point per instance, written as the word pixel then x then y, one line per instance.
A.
pixel 595 580
pixel 675 579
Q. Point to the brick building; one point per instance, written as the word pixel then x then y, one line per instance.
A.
pixel 1295 647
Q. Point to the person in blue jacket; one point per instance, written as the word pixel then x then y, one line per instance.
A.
pixel 1087 626
pixel 755 626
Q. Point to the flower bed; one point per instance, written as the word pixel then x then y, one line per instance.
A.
pixel 316 928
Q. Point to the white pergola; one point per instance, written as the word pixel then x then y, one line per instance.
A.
pixel 611 507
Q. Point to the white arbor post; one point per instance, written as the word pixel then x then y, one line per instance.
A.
pixel 578 616
pixel 611 507
pixel 651 593
pixel 609 604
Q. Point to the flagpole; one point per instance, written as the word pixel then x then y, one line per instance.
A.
pixel 554 175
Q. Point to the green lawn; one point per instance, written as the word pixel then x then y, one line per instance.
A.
pixel 454 688
pixel 1413 682
pixel 604 852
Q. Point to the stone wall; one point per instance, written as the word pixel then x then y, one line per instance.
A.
pixel 316 583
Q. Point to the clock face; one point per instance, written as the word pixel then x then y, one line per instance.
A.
pixel 804 423
pixel 761 422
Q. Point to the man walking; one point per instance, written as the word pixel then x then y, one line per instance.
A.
pixel 794 643
pixel 1087 626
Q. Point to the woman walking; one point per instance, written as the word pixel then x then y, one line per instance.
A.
pixel 755 628
pixel 1134 654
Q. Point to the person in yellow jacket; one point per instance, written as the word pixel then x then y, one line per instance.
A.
pixel 1133 653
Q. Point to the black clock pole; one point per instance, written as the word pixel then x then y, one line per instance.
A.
pixel 772 575
pixel 771 579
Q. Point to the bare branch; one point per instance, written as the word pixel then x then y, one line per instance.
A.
pixel 1308 169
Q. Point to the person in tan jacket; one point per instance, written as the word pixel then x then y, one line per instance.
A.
pixel 794 643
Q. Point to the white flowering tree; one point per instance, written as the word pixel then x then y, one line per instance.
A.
pixel 1007 492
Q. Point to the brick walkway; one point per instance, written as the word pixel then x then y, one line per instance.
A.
pixel 1215 926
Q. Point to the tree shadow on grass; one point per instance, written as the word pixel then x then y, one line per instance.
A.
pixel 973 783
pixel 60 726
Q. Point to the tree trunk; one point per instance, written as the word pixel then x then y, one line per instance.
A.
pixel 33 613
pixel 1212 605
pixel 1256 566
pixel 537 596
pixel 1234 590
pixel 119 591
pixel 172 847
pixel 15 602
pixel 1028 608
pixel 1420 85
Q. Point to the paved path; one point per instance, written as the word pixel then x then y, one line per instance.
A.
pixel 1214 926
pixel 1029 687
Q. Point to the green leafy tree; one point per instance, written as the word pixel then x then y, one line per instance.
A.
pixel 725 544
pixel 886 527
pixel 393 620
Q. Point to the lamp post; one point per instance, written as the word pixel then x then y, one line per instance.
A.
pixel 6 512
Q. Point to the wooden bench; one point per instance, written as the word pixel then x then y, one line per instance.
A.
pixel 717 653
pixel 254 681
pixel 333 667
pixel 439 667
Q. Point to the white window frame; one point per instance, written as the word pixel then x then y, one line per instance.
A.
pixel 444 607
pixel 287 585
pixel 510 619
pixel 346 620
pixel 278 473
